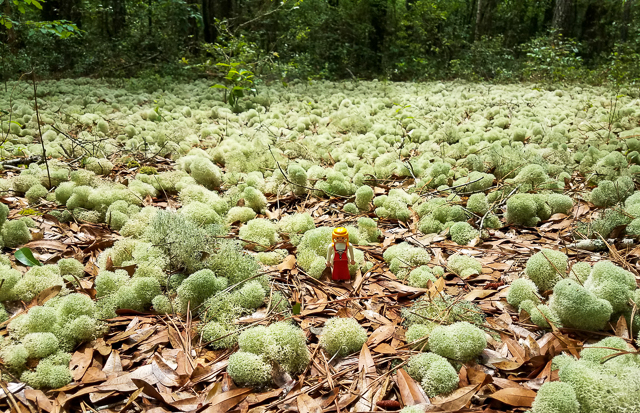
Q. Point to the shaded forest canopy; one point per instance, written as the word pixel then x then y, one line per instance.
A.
pixel 503 40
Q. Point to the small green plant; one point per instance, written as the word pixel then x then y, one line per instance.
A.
pixel 238 82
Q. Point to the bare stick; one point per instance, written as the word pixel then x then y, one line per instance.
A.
pixel 44 150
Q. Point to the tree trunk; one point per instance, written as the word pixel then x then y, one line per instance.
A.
pixel 483 17
pixel 626 20
pixel 378 22
pixel 119 17
pixel 11 33
pixel 562 17
pixel 208 18
pixel 194 31
pixel 62 10
pixel 149 16
pixel 212 10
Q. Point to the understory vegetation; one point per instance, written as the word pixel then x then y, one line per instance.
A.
pixel 215 215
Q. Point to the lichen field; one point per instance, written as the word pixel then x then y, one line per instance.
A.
pixel 166 251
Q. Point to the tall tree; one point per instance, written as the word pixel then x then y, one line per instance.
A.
pixel 119 16
pixel 62 10
pixel 212 10
pixel 562 16
pixel 378 23
pixel 483 17
pixel 626 20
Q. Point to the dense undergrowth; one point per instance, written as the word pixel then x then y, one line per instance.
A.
pixel 471 159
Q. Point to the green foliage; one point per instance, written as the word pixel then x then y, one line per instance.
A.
pixel 148 170
pixel 552 57
pixel 25 256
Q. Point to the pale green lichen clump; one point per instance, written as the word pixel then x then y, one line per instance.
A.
pixel 342 336
pixel 522 290
pixel 594 383
pixel 462 233
pixel 546 268
pixel 434 372
pixel 419 334
pixel 464 266
pixel 555 397
pixel 612 283
pixel 541 315
pixel 282 343
pixel 579 308
pixel 248 369
pixel 460 341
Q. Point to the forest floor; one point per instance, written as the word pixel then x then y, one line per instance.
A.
pixel 161 365
pixel 158 363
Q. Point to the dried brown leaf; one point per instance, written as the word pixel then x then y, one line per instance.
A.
pixel 515 396
pixel 410 391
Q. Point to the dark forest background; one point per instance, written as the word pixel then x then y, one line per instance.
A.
pixel 596 41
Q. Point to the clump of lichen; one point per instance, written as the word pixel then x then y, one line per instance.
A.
pixel 464 266
pixel 555 397
pixel 527 209
pixel 612 283
pixel 540 314
pixel 281 343
pixel 403 257
pixel 459 341
pixel 342 336
pixel 462 233
pixel 435 373
pixel 522 290
pixel 248 369
pixel 579 308
pixel 546 268
pixel 442 309
pixel 593 383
